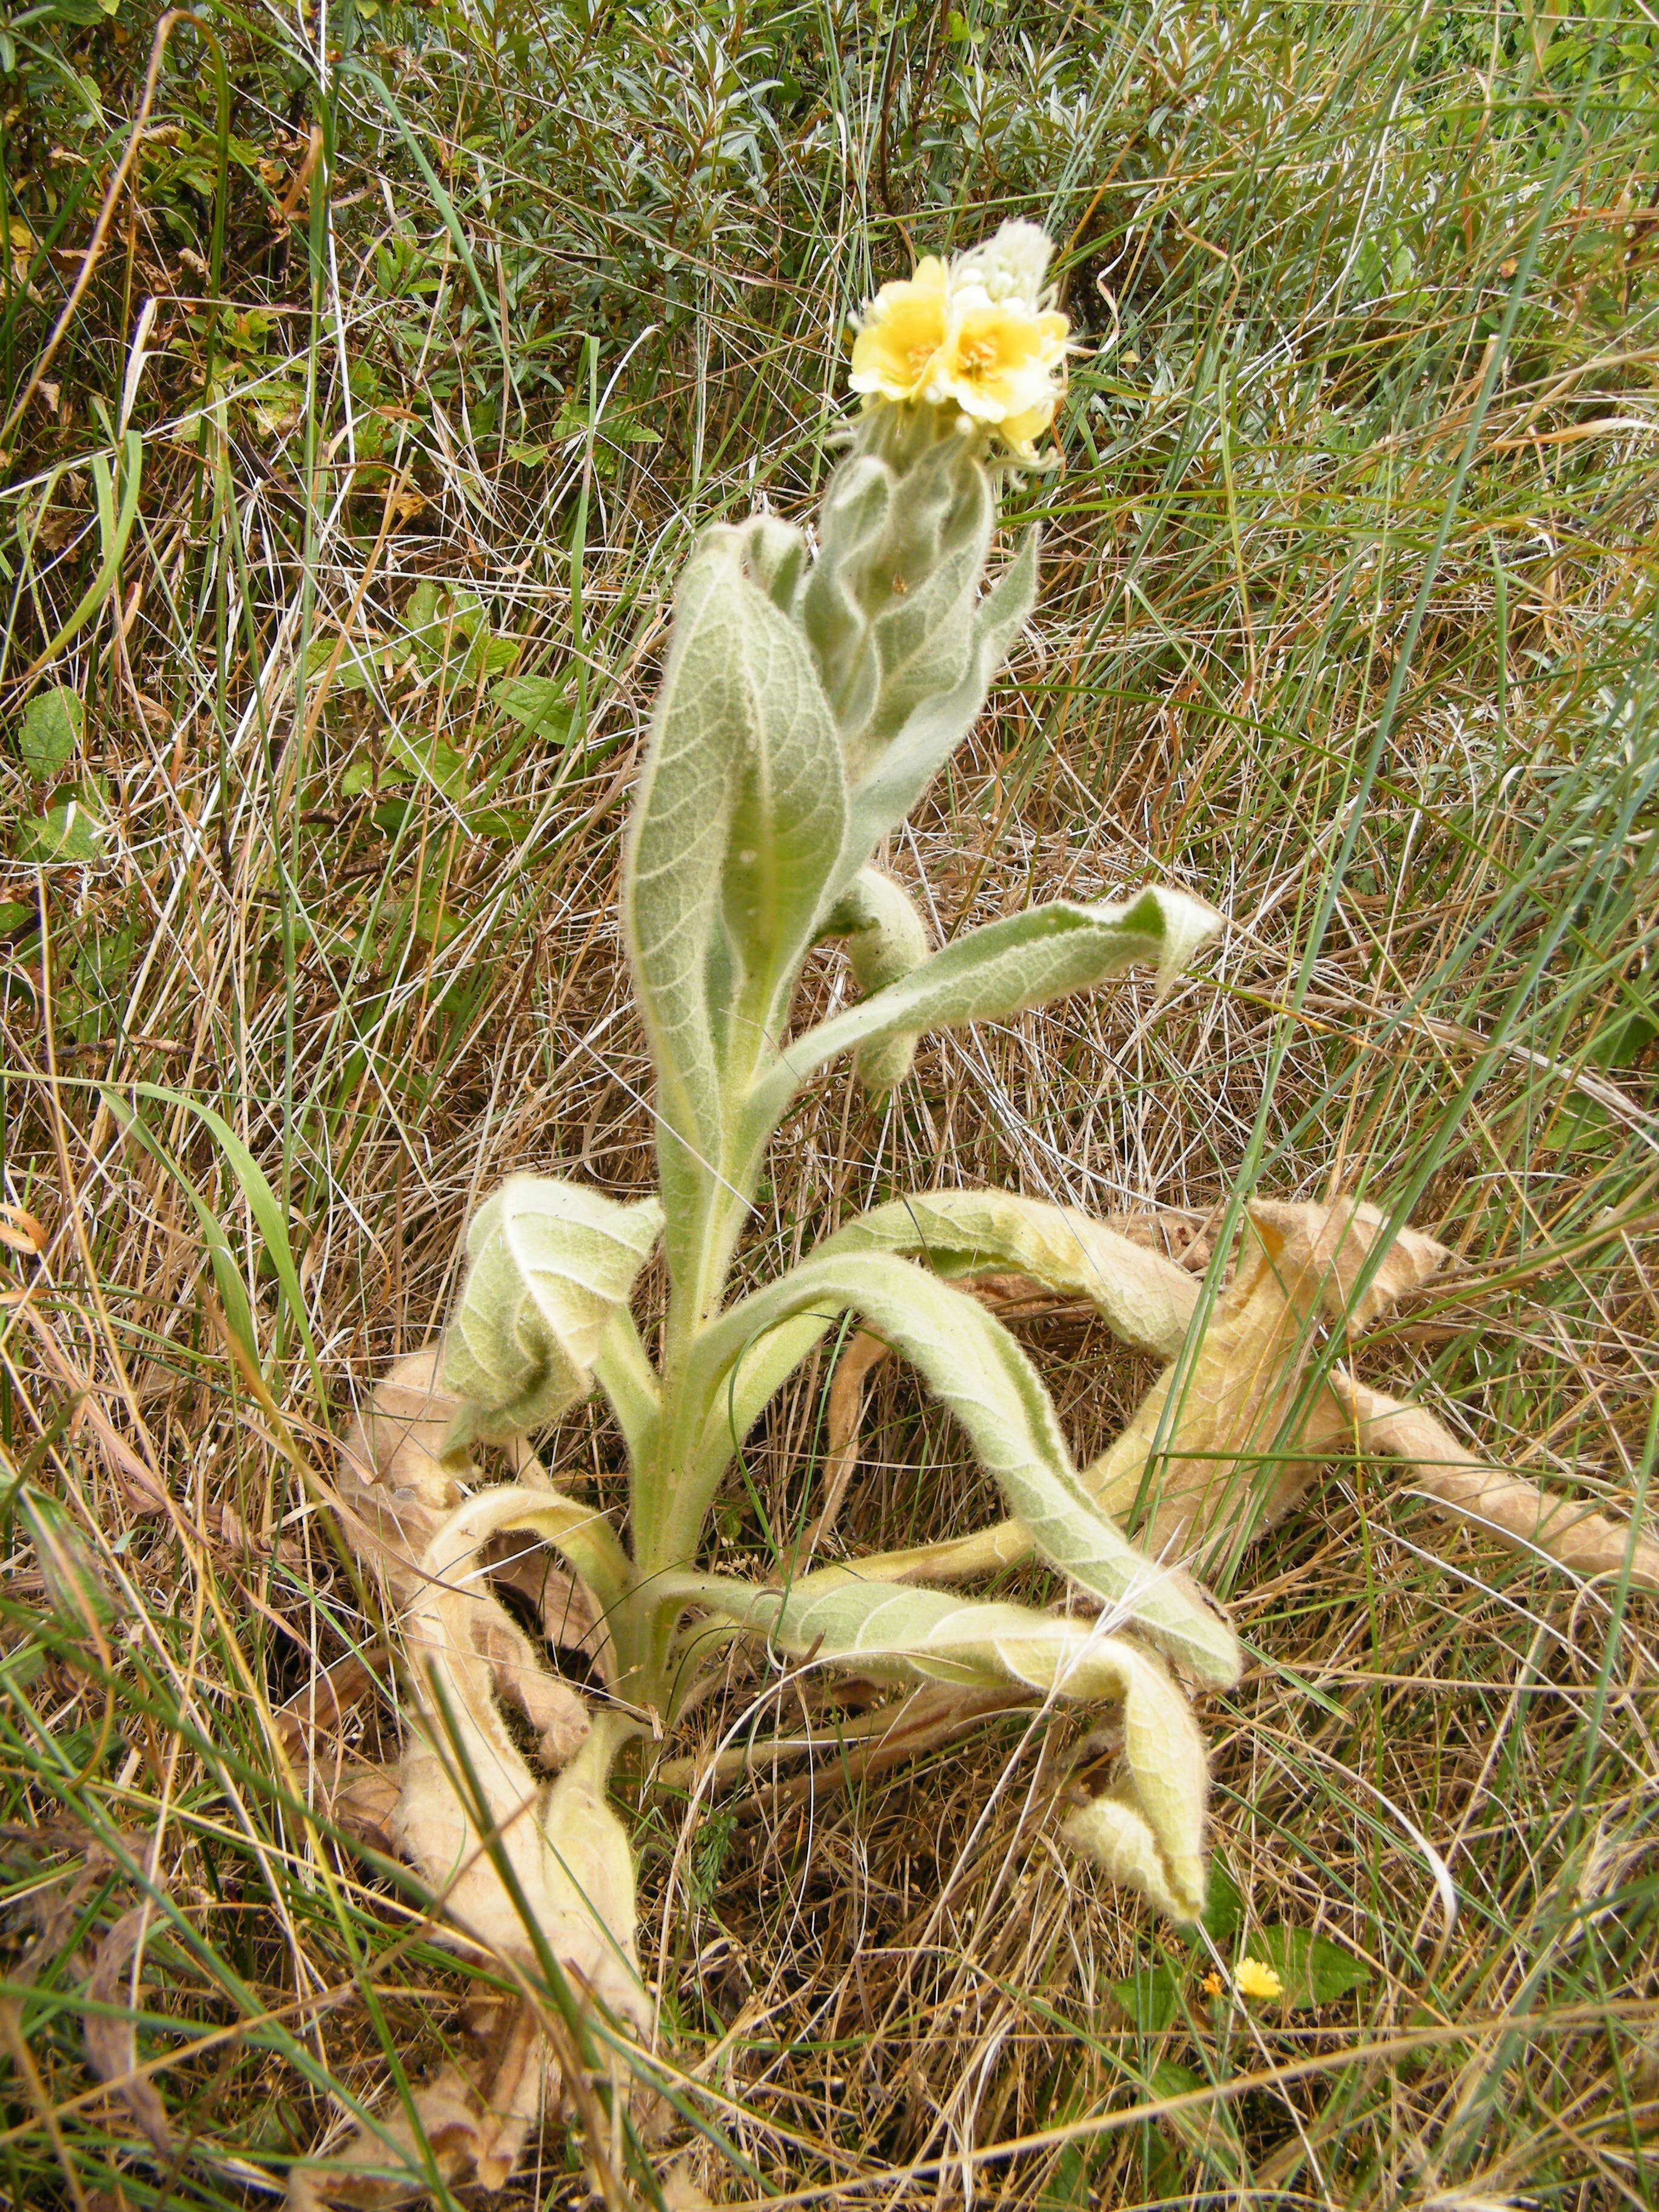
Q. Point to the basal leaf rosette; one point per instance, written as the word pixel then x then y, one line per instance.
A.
pixel 977 334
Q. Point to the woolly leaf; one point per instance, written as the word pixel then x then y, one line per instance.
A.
pixel 1025 960
pixel 1145 1299
pixel 979 1372
pixel 736 824
pixel 1150 1834
pixel 886 939
pixel 896 778
pixel 550 1266
pixel 569 1852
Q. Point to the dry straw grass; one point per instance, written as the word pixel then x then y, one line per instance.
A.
pixel 1405 740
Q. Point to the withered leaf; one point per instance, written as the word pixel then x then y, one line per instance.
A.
pixel 111 2045
pixel 474 2117
pixel 1231 1451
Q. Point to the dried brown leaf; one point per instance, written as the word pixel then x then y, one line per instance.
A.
pixel 1298 1265
pixel 363 1801
pixel 475 2120
pixel 463 1796
pixel 395 1481
pixel 681 2192
pixel 21 1233
pixel 400 1488
pixel 863 1354
pixel 111 2045
pixel 1519 1514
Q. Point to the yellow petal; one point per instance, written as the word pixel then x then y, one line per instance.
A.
pixel 1021 432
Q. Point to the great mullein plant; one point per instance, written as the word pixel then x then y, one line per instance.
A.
pixel 808 700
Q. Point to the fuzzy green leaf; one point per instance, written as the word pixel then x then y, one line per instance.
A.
pixel 894 778
pixel 886 939
pixel 551 1267
pixel 1148 1830
pixel 1026 960
pixel 1145 1299
pixel 736 824
pixel 975 1367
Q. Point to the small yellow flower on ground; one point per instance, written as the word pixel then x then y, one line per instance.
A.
pixel 979 334
pixel 1211 1984
pixel 1253 1979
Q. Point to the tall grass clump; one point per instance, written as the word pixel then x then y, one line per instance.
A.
pixel 368 379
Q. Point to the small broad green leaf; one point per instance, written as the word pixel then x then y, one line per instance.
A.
pixel 431 758
pixel 355 670
pixel 50 731
pixel 1170 2079
pixel 408 760
pixel 1202 2129
pixel 432 920
pixel 1150 1998
pixel 506 825
pixel 1225 1908
pixel 65 833
pixel 550 1265
pixel 1622 1041
pixel 492 656
pixel 95 983
pixel 1313 1970
pixel 541 703
pixel 449 633
pixel 360 776
pixel 1173 2079
pixel 14 914
pixel 1067 2188
pixel 275 406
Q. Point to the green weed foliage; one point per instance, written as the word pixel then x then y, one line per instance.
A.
pixel 335 586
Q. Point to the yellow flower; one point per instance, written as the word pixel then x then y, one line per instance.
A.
pixel 1253 1979
pixel 899 339
pixel 978 334
pixel 1211 1984
pixel 998 362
